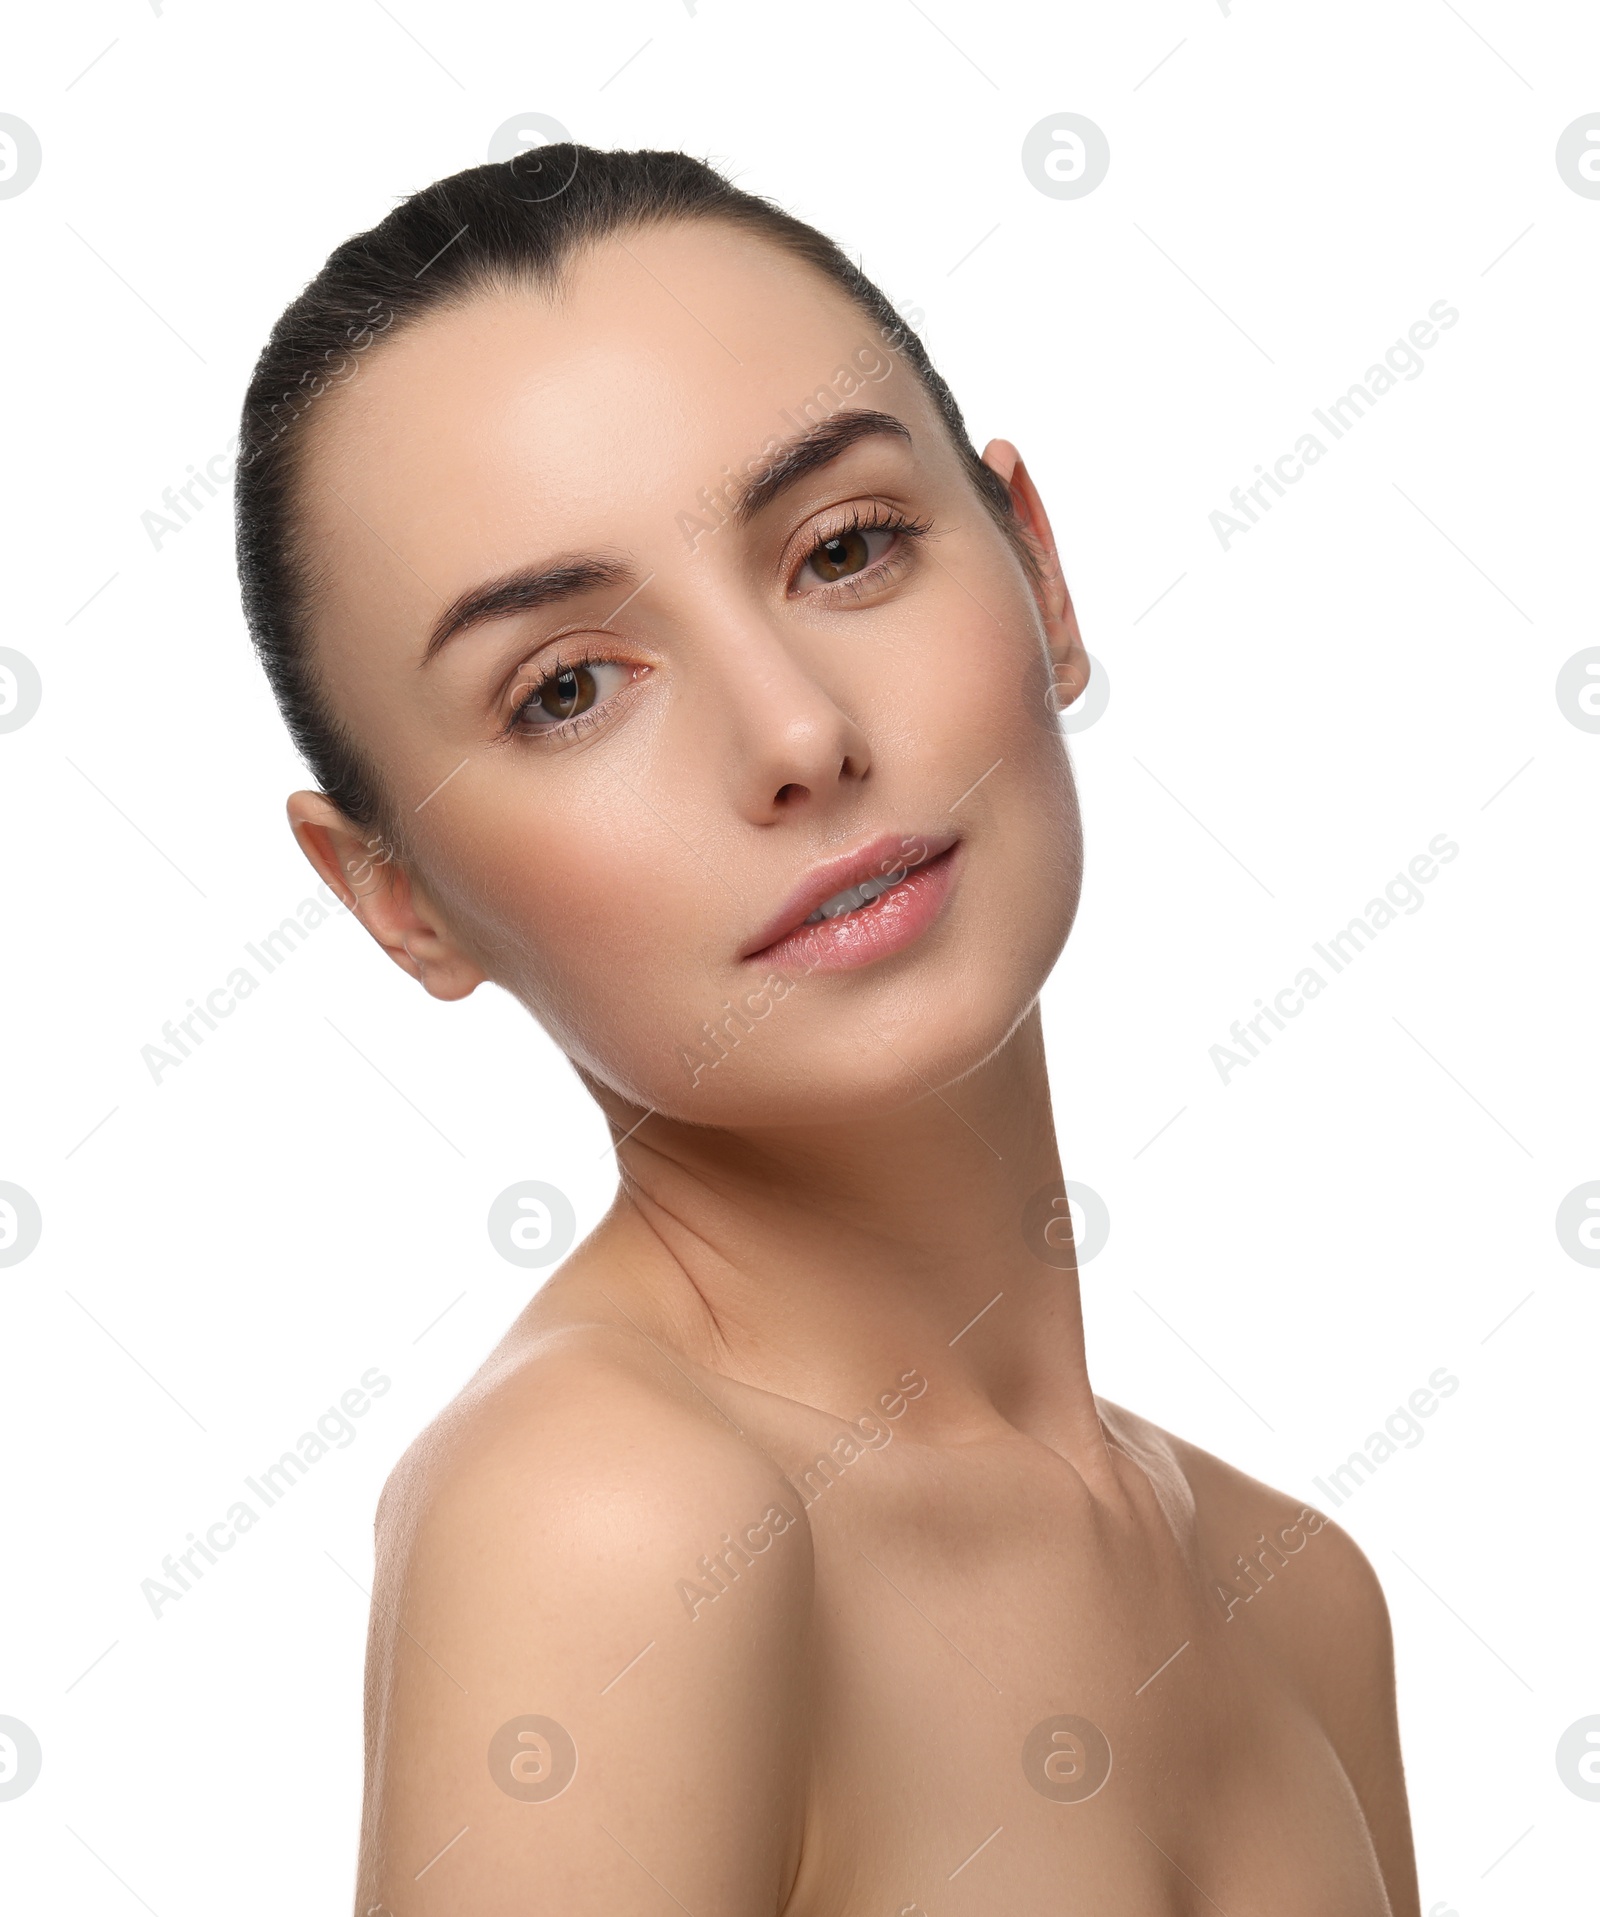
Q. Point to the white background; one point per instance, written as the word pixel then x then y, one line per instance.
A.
pixel 225 1252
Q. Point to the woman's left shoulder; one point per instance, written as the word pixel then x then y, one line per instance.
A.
pixel 1278 1566
pixel 1300 1592
pixel 1237 1515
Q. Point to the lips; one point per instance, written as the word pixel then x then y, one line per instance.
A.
pixel 861 905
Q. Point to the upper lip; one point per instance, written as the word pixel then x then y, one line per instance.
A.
pixel 876 859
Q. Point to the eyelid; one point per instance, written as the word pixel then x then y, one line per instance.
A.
pixel 549 655
pixel 545 665
pixel 876 514
pixel 865 510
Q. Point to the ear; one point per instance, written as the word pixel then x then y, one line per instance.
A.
pixel 367 875
pixel 1068 659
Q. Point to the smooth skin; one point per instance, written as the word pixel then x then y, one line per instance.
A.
pixel 808 1695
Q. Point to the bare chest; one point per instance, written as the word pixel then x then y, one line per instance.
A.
pixel 1019 1697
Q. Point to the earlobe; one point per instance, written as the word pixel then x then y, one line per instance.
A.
pixel 365 872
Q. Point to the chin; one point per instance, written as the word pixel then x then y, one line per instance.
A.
pixel 840 1050
pixel 856 1080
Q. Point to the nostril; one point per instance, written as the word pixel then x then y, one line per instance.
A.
pixel 788 794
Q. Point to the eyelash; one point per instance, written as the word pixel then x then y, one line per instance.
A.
pixel 584 655
pixel 882 519
pixel 890 565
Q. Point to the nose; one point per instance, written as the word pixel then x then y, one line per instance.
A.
pixel 795 745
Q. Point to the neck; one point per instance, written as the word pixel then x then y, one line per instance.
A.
pixel 823 1263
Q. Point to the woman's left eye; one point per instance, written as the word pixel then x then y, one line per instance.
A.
pixel 568 692
pixel 848 552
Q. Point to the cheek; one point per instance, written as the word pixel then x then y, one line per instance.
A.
pixel 974 668
pixel 986 739
pixel 597 916
pixel 972 701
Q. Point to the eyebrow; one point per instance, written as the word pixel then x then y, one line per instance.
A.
pixel 568 578
pixel 795 458
pixel 522 591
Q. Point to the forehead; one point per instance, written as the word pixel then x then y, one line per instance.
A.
pixel 524 418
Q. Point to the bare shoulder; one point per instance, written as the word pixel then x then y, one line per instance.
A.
pixel 538 1669
pixel 1239 1523
pixel 578 1422
pixel 1302 1592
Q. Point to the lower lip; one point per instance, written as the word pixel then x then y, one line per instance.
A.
pixel 894 920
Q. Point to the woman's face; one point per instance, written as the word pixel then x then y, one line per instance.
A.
pixel 648 693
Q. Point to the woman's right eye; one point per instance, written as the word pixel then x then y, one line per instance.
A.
pixel 567 692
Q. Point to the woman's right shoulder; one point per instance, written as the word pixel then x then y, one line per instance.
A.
pixel 574 1426
pixel 556 1601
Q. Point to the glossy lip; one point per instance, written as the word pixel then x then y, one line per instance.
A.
pixel 876 859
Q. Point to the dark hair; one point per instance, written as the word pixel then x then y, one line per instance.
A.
pixel 513 223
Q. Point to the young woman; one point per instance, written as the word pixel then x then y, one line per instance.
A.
pixel 665 653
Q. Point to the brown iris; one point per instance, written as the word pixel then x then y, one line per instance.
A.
pixel 565 693
pixel 842 555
